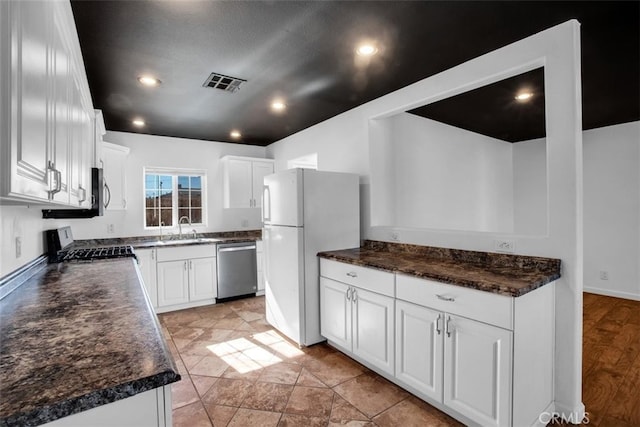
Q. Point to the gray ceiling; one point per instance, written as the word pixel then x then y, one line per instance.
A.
pixel 303 51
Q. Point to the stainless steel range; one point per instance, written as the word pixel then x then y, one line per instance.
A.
pixel 60 249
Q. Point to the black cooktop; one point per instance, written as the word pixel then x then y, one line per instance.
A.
pixel 88 254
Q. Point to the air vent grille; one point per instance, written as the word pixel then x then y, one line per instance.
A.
pixel 222 82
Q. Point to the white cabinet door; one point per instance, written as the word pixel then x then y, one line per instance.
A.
pixel 173 283
pixel 335 312
pixel 419 352
pixel 202 278
pixel 372 328
pixel 477 370
pixel 258 171
pixel 238 190
pixel 147 266
pixel 27 41
pixel 114 158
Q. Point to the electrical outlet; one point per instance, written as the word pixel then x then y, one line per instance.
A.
pixel 18 247
pixel 505 246
pixel 111 229
pixel 395 236
pixel 604 275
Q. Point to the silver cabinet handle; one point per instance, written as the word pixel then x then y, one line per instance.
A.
pixel 108 190
pixel 444 298
pixel 449 326
pixel 185 266
pixel 354 296
pixel 53 174
pixel 349 294
pixel 124 203
pixel 190 265
pixel 153 254
pixel 352 274
pixel 84 194
pixel 438 329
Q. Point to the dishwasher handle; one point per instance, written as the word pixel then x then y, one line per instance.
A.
pixel 237 248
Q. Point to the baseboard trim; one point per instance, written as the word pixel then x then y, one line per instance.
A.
pixel 570 415
pixel 610 293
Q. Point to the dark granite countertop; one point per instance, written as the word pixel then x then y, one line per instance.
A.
pixel 506 274
pixel 76 336
pixel 146 242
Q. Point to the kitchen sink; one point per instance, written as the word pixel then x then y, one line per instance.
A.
pixel 178 242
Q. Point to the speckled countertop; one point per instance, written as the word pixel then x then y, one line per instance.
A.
pixel 173 240
pixel 76 336
pixel 506 274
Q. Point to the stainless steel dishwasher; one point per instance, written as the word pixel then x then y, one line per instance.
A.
pixel 237 270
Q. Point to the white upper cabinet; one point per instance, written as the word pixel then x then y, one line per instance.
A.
pixel 114 161
pixel 243 180
pixel 46 105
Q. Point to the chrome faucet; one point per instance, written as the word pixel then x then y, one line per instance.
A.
pixel 180 225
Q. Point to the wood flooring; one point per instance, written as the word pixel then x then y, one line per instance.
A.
pixel 611 361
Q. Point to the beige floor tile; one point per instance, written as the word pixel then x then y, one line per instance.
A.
pixel 342 411
pixel 227 392
pixel 410 413
pixel 370 393
pixel 211 366
pixel 281 373
pixel 291 420
pixel 183 393
pixel 203 384
pixel 307 379
pixel 221 415
pixel 310 401
pixel 249 316
pixel 267 397
pixel 190 360
pixel 253 418
pixel 334 368
pixel 243 368
pixel 231 322
pixel 186 333
pixel 192 415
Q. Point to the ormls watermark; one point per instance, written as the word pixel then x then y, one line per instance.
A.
pixel 551 418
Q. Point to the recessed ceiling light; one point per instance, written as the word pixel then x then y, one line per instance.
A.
pixel 235 134
pixel 366 49
pixel 138 122
pixel 278 106
pixel 524 96
pixel 148 80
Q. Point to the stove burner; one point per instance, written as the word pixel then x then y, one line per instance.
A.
pixel 87 254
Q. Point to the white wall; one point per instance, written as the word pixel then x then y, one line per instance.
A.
pixel 612 210
pixel 344 143
pixel 146 150
pixel 530 187
pixel 449 178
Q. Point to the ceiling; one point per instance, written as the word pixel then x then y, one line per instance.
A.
pixel 303 52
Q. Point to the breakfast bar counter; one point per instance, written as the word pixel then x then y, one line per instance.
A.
pixel 505 274
pixel 76 336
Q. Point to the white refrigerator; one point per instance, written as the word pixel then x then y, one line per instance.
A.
pixel 304 212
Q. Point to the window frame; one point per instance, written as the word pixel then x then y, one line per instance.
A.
pixel 174 173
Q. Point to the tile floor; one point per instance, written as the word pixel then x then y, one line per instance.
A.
pixel 238 371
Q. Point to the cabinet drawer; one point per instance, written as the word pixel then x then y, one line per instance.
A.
pixel 471 303
pixel 186 252
pixel 378 281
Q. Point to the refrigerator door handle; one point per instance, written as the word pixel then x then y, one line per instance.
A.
pixel 266 204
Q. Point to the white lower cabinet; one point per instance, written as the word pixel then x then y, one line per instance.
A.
pixel 357 320
pixel 179 277
pixel 147 266
pixel 460 362
pixel 486 359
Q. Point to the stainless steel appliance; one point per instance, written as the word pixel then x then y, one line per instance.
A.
pixel 304 212
pixel 60 248
pixel 237 270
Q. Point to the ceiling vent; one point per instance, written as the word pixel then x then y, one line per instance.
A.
pixel 222 82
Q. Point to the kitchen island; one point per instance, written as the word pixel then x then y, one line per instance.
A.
pixel 471 333
pixel 77 336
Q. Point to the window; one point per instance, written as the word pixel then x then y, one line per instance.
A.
pixel 171 195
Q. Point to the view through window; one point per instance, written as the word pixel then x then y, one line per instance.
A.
pixel 171 196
